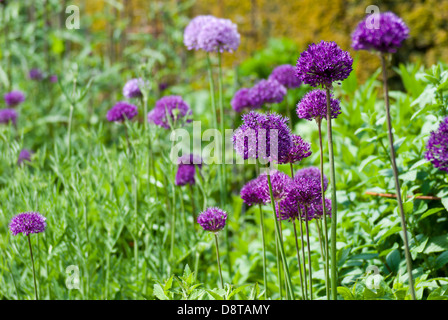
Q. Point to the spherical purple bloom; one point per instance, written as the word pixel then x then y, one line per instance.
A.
pixel 306 190
pixel 173 106
pixel 27 223
pixel 132 88
pixel 252 192
pixel 312 173
pixel 163 86
pixel 14 98
pixel 187 169
pixel 53 78
pixel 241 100
pixel 288 208
pixel 323 63
pixel 193 29
pixel 8 115
pixel 437 146
pixel 266 91
pixel 300 149
pixel 267 136
pixel 314 106
pixel 280 182
pixel 24 155
pixel 213 219
pixel 122 111
pixel 219 35
pixel 35 74
pixel 316 209
pixel 388 37
pixel 286 75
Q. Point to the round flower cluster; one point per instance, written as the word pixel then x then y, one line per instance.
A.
pixel 7 116
pixel 187 169
pixel 169 111
pixel 314 106
pixel 437 147
pixel 211 34
pixel 240 100
pixel 323 63
pixel 387 38
pixel 132 88
pixel 14 98
pixel 24 155
pixel 35 74
pixel 311 173
pixel 300 149
pixel 265 92
pixel 213 219
pixel 286 75
pixel 121 111
pixel 27 223
pixel 252 193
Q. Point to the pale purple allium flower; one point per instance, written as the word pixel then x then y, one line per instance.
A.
pixel 323 63
pixel 312 173
pixel 35 74
pixel 252 192
pixel 437 146
pixel 286 75
pixel 122 111
pixel 213 219
pixel 280 182
pixel 53 78
pixel 25 155
pixel 132 88
pixel 241 100
pixel 27 223
pixel 219 35
pixel 387 38
pixel 172 106
pixel 265 136
pixel 306 190
pixel 316 209
pixel 266 92
pixel 14 98
pixel 288 208
pixel 300 149
pixel 187 169
pixel 193 29
pixel 313 106
pixel 8 115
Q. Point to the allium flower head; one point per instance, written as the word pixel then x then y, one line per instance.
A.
pixel 219 35
pixel 241 100
pixel 8 115
pixel 388 38
pixel 132 88
pixel 314 106
pixel 213 219
pixel 288 208
pixel 187 169
pixel 174 107
pixel 286 75
pixel 253 193
pixel 24 155
pixel 437 146
pixel 267 136
pixel 122 111
pixel 27 223
pixel 323 63
pixel 14 98
pixel 306 190
pixel 53 78
pixel 300 149
pixel 316 209
pixel 311 173
pixel 281 184
pixel 266 91
pixel 193 29
pixel 35 74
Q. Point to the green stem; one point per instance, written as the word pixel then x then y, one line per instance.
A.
pixel 279 273
pixel 334 271
pixel 284 269
pixel 34 271
pixel 397 181
pixel 303 252
pixel 219 263
pixel 264 253
pixel 309 252
pixel 299 264
pixel 69 132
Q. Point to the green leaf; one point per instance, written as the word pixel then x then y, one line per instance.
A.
pixel 441 260
pixel 346 293
pixel 388 233
pixel 437 244
pixel 159 293
pixel 214 295
pixel 431 212
pixel 445 202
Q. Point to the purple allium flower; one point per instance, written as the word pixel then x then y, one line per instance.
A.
pixel 306 190
pixel 300 149
pixel 241 100
pixel 213 219
pixel 316 209
pixel 174 106
pixel 163 86
pixel 132 88
pixel 286 75
pixel 14 98
pixel 313 173
pixel 219 35
pixel 323 63
pixel 122 111
pixel 288 208
pixel 27 223
pixel 388 38
pixel 280 182
pixel 187 169
pixel 53 78
pixel 35 74
pixel 25 155
pixel 193 29
pixel 266 91
pixel 8 115
pixel 314 106
pixel 267 136
pixel 252 192
pixel 437 146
